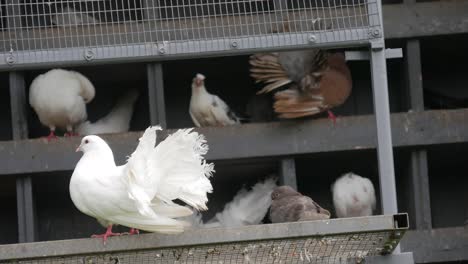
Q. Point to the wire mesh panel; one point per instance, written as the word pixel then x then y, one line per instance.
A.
pixel 347 240
pixel 48 31
pixel 337 249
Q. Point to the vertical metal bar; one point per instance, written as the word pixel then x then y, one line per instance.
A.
pixel 384 133
pixel 384 136
pixel 287 172
pixel 156 94
pixel 27 221
pixel 420 202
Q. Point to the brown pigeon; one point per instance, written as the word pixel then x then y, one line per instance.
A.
pixel 318 81
pixel 289 205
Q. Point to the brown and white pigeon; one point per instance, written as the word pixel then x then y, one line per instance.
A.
pixel 353 196
pixel 288 205
pixel 208 109
pixel 318 81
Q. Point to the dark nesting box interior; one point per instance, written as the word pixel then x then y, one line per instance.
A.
pixel 316 173
pixel 444 71
pixel 111 82
pixel 5 109
pixel 57 217
pixel 448 185
pixel 8 218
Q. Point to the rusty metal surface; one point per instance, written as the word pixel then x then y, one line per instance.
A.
pixel 322 241
pixel 256 140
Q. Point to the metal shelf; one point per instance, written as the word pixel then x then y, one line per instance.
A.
pixel 254 140
pixel 300 242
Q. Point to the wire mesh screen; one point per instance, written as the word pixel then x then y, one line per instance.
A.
pixel 350 248
pixel 41 31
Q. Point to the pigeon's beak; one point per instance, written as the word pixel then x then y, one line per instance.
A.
pixel 199 78
pixel 78 148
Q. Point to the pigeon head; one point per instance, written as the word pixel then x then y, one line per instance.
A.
pixel 90 143
pixel 283 191
pixel 198 81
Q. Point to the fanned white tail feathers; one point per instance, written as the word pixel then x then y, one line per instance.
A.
pixel 246 208
pixel 175 169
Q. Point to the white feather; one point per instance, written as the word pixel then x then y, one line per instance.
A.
pixel 207 109
pixel 140 193
pixel 59 98
pixel 246 208
pixel 117 121
pixel 353 196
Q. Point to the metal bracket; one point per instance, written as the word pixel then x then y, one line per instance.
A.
pixel 364 55
pixel 377 44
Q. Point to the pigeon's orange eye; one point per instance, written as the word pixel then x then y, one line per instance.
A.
pixel 86 141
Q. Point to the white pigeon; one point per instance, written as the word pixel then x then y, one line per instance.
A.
pixel 59 98
pixel 353 196
pixel 246 208
pixel 140 193
pixel 208 109
pixel 117 121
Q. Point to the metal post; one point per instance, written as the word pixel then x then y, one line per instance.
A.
pixel 384 133
pixel 287 172
pixel 156 94
pixel 27 221
pixel 384 136
pixel 420 202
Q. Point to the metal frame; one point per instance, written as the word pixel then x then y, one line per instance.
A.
pixel 395 224
pixel 27 220
pixel 193 34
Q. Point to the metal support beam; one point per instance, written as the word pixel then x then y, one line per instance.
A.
pixel 156 94
pixel 27 231
pixel 357 55
pixel 420 202
pixel 409 130
pixel 287 172
pixel 384 135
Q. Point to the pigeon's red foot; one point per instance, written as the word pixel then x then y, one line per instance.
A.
pixel 332 117
pixel 51 136
pixel 107 234
pixel 134 231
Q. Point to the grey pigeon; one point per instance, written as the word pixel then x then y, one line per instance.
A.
pixel 289 205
